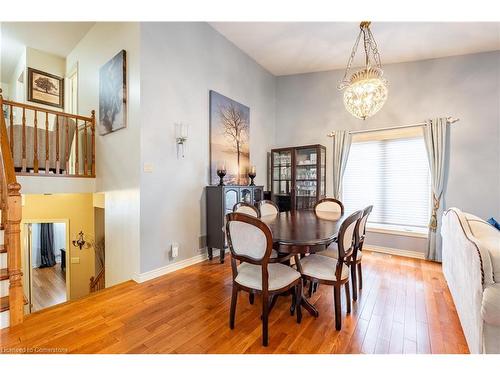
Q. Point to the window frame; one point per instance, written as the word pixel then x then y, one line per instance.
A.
pixel 384 135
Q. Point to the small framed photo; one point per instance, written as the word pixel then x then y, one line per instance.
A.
pixel 45 88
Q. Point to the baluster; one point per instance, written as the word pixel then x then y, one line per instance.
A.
pixel 23 166
pixel 11 131
pixel 13 239
pixel 85 159
pixel 47 166
pixel 35 144
pixel 66 151
pixel 93 143
pixel 77 165
pixel 58 166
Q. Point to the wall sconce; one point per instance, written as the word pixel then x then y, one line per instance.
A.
pixel 80 242
pixel 181 136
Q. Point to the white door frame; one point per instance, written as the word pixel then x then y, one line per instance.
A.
pixel 27 255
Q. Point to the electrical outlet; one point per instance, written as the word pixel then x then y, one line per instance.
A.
pixel 175 250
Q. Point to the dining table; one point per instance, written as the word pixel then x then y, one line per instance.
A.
pixel 301 232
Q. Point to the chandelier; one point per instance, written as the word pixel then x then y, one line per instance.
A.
pixel 365 90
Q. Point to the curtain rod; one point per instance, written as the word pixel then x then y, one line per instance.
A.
pixel 450 120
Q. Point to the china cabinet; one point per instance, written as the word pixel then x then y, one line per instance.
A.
pixel 298 176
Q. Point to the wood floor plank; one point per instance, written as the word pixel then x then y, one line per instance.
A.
pixel 404 307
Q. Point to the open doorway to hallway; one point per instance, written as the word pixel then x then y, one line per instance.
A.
pixel 47 244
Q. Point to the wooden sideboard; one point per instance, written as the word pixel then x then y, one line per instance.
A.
pixel 220 201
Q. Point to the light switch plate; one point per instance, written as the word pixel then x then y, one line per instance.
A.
pixel 75 260
pixel 148 168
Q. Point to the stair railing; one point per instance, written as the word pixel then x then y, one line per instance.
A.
pixel 11 222
pixel 46 142
pixel 97 282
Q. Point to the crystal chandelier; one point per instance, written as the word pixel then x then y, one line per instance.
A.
pixel 365 90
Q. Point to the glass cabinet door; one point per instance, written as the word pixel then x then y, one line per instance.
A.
pixel 230 199
pixel 306 178
pixel 257 195
pixel 282 178
pixel 246 195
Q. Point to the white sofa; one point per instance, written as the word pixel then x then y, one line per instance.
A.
pixel 471 266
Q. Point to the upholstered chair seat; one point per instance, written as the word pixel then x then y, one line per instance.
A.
pixel 322 267
pixel 332 252
pixel 280 275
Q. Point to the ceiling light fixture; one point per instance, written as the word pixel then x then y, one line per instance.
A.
pixel 365 90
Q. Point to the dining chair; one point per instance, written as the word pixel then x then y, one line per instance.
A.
pixel 329 205
pixel 250 241
pixel 359 234
pixel 321 269
pixel 267 207
pixel 355 261
pixel 326 205
pixel 246 208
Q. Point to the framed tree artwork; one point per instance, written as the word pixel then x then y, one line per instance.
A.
pixel 113 94
pixel 45 88
pixel 229 139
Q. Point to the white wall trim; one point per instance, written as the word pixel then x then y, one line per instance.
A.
pixel 392 251
pixel 396 232
pixel 153 274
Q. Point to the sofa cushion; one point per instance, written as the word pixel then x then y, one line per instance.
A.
pixel 488 237
pixel 490 310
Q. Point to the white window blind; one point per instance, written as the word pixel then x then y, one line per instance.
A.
pixel 393 176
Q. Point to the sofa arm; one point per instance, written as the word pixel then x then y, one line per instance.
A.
pixel 490 309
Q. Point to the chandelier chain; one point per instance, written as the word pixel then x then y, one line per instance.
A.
pixel 370 48
pixel 345 81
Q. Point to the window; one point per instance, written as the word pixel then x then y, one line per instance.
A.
pixel 392 174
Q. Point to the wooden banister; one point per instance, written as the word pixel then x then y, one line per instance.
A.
pixel 11 218
pixel 50 111
pixel 97 282
pixel 39 146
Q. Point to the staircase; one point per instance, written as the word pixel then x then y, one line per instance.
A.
pixel 11 298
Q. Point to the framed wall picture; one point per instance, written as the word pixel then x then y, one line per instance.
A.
pixel 229 139
pixel 45 88
pixel 113 94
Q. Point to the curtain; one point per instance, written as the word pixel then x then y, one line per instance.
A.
pixel 436 143
pixel 47 255
pixel 341 146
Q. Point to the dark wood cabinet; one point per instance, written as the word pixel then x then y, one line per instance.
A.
pixel 220 201
pixel 298 176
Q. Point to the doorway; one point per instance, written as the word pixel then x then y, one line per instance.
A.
pixel 48 264
pixel 72 91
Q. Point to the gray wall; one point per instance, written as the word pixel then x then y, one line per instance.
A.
pixel 180 63
pixel 308 106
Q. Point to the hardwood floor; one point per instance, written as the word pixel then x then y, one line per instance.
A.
pixel 49 287
pixel 404 307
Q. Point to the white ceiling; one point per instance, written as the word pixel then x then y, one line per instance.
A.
pixel 300 47
pixel 57 38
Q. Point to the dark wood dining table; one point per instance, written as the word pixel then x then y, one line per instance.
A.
pixel 302 232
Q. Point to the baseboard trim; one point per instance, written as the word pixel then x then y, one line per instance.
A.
pixel 392 251
pixel 169 268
